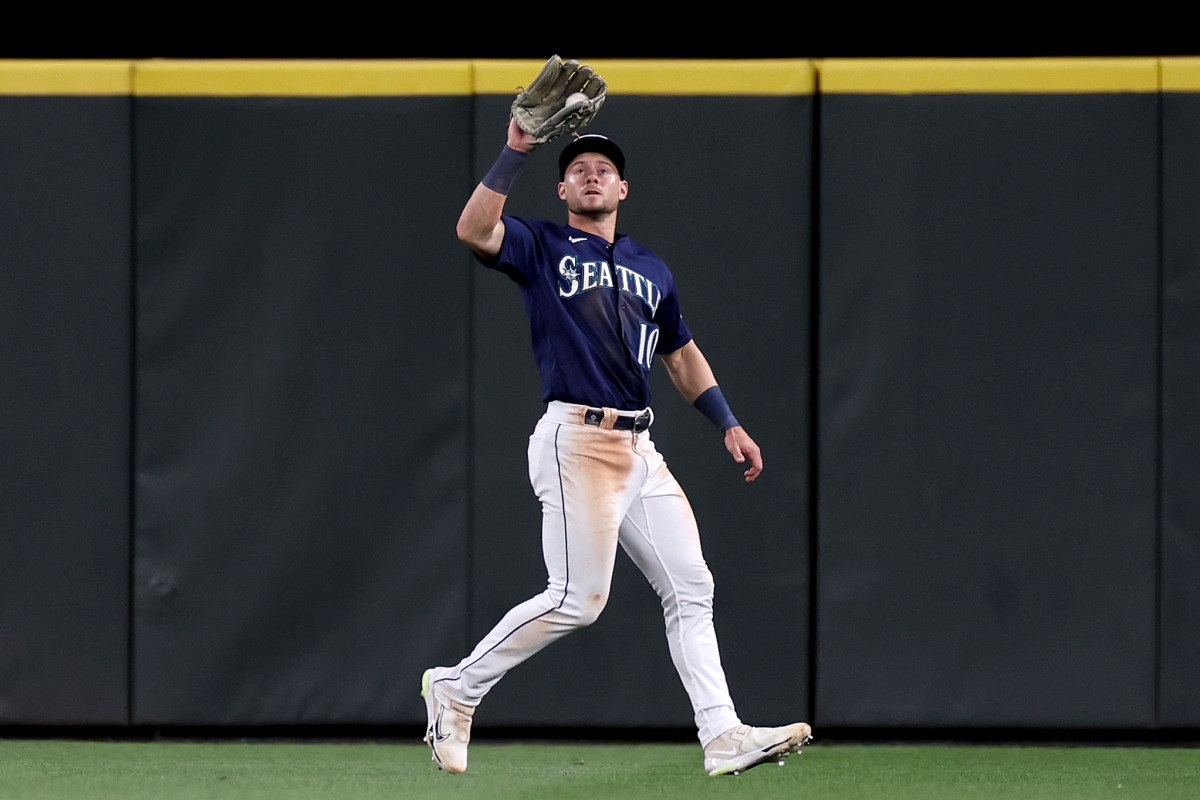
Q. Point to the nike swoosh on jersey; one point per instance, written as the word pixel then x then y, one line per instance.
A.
pixel 576 239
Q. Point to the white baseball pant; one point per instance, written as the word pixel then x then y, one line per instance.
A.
pixel 599 487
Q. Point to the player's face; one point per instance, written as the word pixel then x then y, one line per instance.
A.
pixel 592 185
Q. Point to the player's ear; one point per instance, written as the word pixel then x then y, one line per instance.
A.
pixel 623 190
pixel 562 191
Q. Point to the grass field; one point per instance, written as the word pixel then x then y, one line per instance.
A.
pixel 79 770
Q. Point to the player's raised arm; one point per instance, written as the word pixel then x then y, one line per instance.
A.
pixel 479 225
pixel 693 377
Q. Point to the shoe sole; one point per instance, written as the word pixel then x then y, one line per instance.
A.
pixel 777 752
pixel 430 701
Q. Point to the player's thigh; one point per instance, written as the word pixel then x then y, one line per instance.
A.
pixel 661 537
pixel 580 517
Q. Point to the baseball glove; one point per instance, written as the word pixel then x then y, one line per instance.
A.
pixel 564 97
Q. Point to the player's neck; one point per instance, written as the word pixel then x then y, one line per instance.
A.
pixel 602 225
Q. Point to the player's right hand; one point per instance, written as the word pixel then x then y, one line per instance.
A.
pixel 518 139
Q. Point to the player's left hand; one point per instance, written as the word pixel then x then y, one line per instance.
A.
pixel 742 447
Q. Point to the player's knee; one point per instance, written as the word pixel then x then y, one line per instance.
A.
pixel 694 578
pixel 589 607
pixel 696 589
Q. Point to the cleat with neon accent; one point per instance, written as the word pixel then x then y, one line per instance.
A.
pixel 742 748
pixel 448 730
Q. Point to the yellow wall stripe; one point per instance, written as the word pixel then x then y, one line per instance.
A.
pixel 1181 74
pixel 317 78
pixel 81 77
pixel 244 78
pixel 665 77
pixel 987 76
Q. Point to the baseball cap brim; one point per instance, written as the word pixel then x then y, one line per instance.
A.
pixel 591 143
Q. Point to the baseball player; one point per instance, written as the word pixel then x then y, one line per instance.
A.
pixel 601 307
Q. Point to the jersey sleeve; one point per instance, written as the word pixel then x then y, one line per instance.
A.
pixel 673 332
pixel 518 251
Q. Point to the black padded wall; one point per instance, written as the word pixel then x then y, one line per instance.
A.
pixel 987 413
pixel 1180 692
pixel 64 409
pixel 301 447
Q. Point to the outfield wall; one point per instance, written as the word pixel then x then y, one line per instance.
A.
pixel 66 338
pixel 988 379
pixel 267 419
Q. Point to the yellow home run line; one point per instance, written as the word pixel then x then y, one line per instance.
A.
pixel 1181 74
pixel 245 78
pixel 322 78
pixel 665 77
pixel 988 76
pixel 61 77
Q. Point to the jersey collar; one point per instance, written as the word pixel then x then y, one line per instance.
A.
pixel 618 236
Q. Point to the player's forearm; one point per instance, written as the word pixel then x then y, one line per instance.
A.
pixel 689 371
pixel 693 377
pixel 479 225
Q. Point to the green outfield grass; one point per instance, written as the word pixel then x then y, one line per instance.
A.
pixel 79 770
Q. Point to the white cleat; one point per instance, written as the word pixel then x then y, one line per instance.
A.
pixel 449 727
pixel 738 749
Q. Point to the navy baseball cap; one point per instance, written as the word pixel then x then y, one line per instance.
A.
pixel 591 143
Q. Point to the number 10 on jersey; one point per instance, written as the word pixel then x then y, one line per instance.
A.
pixel 647 343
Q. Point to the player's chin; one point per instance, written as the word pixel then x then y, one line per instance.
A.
pixel 594 204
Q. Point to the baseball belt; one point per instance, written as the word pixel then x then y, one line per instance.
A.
pixel 595 416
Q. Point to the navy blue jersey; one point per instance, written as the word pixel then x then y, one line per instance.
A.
pixel 598 312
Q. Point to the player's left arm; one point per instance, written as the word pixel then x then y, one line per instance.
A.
pixel 693 377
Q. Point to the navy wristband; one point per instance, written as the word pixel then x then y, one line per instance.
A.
pixel 712 404
pixel 502 174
